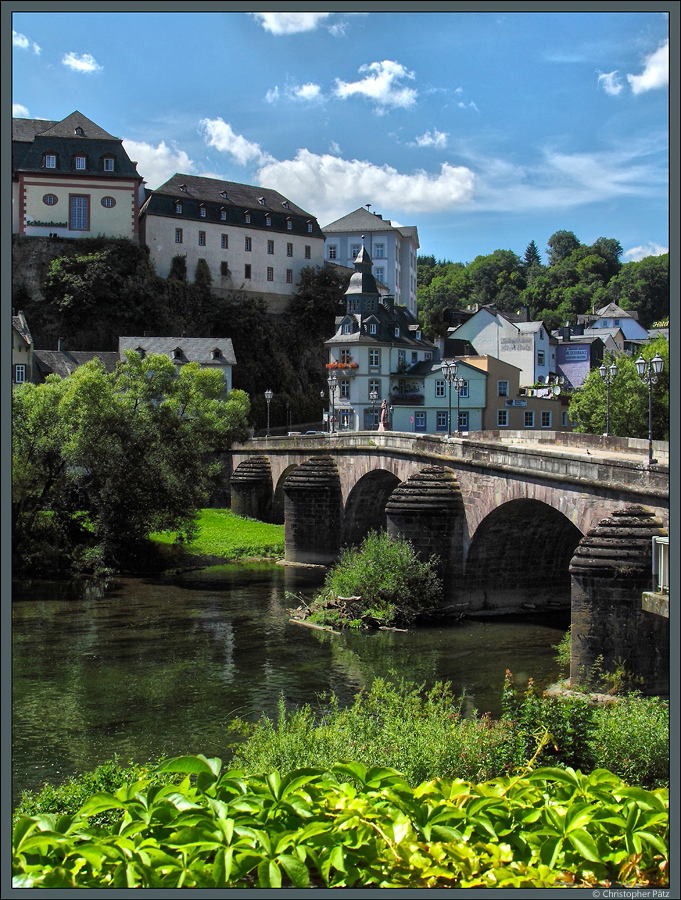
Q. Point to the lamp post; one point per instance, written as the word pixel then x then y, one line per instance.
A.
pixel 449 370
pixel 608 374
pixel 332 382
pixel 373 396
pixel 648 372
pixel 268 397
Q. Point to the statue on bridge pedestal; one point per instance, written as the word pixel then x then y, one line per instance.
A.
pixel 384 421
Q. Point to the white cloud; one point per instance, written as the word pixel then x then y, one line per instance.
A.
pixel 22 42
pixel 292 22
pixel 157 164
pixel 219 134
pixel 469 105
pixel 329 186
pixel 85 63
pixel 272 96
pixel 334 148
pixel 19 111
pixel 610 82
pixel 650 249
pixel 381 84
pixel 309 91
pixel 432 139
pixel 655 71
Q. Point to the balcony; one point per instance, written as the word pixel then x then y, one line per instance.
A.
pixel 407 399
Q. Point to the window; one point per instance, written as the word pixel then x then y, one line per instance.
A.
pixel 332 251
pixel 248 244
pixel 414 357
pixel 345 356
pixel 284 203
pixel 375 385
pixel 378 251
pixel 79 131
pixel 540 357
pixel 375 358
pixel 247 270
pixel 354 251
pixel 261 201
pixel 463 421
pixel 268 220
pixel 502 388
pixel 309 227
pixel 440 388
pixel 529 419
pixel 344 385
pixel 397 331
pixel 202 238
pixel 50 200
pixel 289 276
pixel 178 207
pixel 401 359
pixel 223 215
pixel 223 194
pixel 347 328
pixel 372 328
pixel 270 273
pixel 224 269
pixel 418 335
pixel 565 420
pixel 289 225
pixel 178 235
pixel 502 418
pixel 428 355
pixel 108 202
pixel 419 420
pixel 50 161
pixel 19 374
pixel 307 251
pixel 79 213
pixel 615 321
pixel 464 390
pixel 79 162
pixel 108 164
pixel 441 421
pixel 289 249
pixel 202 212
pixel 247 218
pixel 380 274
pixel 224 241
pixel 270 247
pixel 545 419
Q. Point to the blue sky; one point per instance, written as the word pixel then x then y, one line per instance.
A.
pixel 486 130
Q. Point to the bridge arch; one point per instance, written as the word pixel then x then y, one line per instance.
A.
pixel 278 495
pixel 365 506
pixel 520 555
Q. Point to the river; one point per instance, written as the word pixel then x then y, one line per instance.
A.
pixel 161 665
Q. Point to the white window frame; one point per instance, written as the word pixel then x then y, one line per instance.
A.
pixel 268 220
pixel 375 359
pixel 378 251
pixel 289 225
pixel 372 328
pixel 80 163
pixel 179 236
pixel 84 209
pixel 332 251
pixel 345 419
pixel 108 164
pixel 20 373
pixel 50 160
pixel 375 385
pixel 247 218
pixel 202 212
pixel 380 273
pixel 464 391
pixel 202 238
pixel 344 388
pixel 223 215
pixel 347 328
pixel 354 250
pixel 178 207
pixel 502 418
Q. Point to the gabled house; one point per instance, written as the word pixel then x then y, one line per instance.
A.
pixel 578 352
pixel 72 179
pixel 393 249
pixel 22 350
pixel 432 414
pixel 210 353
pixel 64 362
pixel 612 316
pixel 251 238
pixel 511 338
pixel 375 345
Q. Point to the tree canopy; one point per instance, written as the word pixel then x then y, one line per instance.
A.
pixel 101 460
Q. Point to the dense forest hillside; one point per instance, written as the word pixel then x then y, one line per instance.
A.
pixel 99 289
pixel 574 279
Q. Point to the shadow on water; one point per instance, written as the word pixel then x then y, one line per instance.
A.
pixel 153 666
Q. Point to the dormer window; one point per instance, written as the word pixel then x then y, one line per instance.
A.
pixel 217 353
pixel 289 225
pixel 347 328
pixel 202 211
pixel 183 187
pixel 142 352
pixel 178 206
pixel 247 217
pixel 372 328
pixel 177 353
pixel 309 227
pixel 261 201
pixel 108 164
pixel 79 162
pixel 418 335
pixel 79 131
pixel 397 331
pixel 223 194
pixel 50 160
pixel 268 220
pixel 285 204
pixel 223 215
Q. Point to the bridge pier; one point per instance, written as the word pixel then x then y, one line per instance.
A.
pixel 251 488
pixel 313 511
pixel 610 571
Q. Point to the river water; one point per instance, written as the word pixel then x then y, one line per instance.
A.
pixel 161 665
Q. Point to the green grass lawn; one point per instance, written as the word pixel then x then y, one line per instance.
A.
pixel 222 534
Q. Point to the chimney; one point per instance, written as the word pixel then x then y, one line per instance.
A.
pixel 565 332
pixel 524 314
pixel 60 345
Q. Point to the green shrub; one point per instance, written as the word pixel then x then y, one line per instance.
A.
pixel 631 738
pixel 348 825
pixel 392 584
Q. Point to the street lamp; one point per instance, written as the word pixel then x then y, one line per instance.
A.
pixel 373 396
pixel 449 370
pixel 648 372
pixel 268 397
pixel 608 374
pixel 332 382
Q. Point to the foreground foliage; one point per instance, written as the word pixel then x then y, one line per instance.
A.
pixel 221 533
pixel 351 826
pixel 382 583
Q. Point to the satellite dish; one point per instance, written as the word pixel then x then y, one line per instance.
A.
pixel 556 391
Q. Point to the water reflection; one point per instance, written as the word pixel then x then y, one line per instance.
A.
pixel 161 665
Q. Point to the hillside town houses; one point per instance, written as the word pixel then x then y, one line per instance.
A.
pixel 72 179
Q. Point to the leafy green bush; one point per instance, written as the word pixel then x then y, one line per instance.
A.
pixel 631 738
pixel 389 583
pixel 351 826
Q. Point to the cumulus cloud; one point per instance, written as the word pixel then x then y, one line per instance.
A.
pixel 219 134
pixel 635 254
pixel 291 22
pixel 85 63
pixel 432 138
pixel 655 71
pixel 330 186
pixel 19 111
pixel 309 92
pixel 22 42
pixel 382 84
pixel 157 164
pixel 610 82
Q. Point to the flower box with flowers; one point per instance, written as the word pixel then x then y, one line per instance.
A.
pixel 342 365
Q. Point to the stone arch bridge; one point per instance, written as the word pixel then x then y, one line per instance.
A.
pixel 507 520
